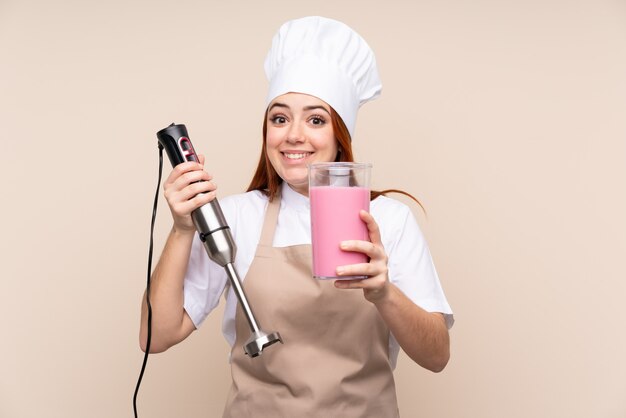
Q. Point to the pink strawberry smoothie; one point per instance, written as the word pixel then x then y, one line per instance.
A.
pixel 335 218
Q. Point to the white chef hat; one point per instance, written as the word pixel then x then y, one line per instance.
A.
pixel 326 59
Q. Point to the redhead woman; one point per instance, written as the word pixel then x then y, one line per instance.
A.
pixel 342 337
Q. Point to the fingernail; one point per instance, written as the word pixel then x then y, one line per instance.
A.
pixel 340 270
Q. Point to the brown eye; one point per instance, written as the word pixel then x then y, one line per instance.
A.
pixel 317 121
pixel 278 119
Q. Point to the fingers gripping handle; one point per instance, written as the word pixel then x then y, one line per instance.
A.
pixel 215 234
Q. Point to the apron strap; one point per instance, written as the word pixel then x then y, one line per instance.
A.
pixel 271 219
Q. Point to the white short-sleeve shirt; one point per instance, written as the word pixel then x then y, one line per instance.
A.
pixel 410 266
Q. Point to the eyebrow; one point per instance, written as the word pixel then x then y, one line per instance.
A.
pixel 306 108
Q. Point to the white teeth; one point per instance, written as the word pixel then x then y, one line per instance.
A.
pixel 296 156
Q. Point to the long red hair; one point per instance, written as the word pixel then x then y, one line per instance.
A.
pixel 268 181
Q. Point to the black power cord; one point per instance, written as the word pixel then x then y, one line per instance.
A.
pixel 149 336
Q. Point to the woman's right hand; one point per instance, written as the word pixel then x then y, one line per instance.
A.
pixel 187 188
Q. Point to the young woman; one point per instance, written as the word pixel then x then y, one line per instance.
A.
pixel 341 343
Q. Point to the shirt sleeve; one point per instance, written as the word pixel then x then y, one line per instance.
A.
pixel 204 284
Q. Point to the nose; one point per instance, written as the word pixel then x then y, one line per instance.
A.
pixel 295 133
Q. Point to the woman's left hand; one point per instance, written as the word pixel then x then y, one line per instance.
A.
pixel 376 286
pixel 422 335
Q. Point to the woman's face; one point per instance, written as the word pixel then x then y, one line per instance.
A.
pixel 299 132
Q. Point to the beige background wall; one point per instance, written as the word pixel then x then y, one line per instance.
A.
pixel 506 118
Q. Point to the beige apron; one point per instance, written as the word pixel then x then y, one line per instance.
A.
pixel 334 361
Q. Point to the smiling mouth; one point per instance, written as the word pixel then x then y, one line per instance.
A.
pixel 296 155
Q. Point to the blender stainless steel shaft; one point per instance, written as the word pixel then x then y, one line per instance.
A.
pixel 215 234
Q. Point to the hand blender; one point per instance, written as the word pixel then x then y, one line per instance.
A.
pixel 215 234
